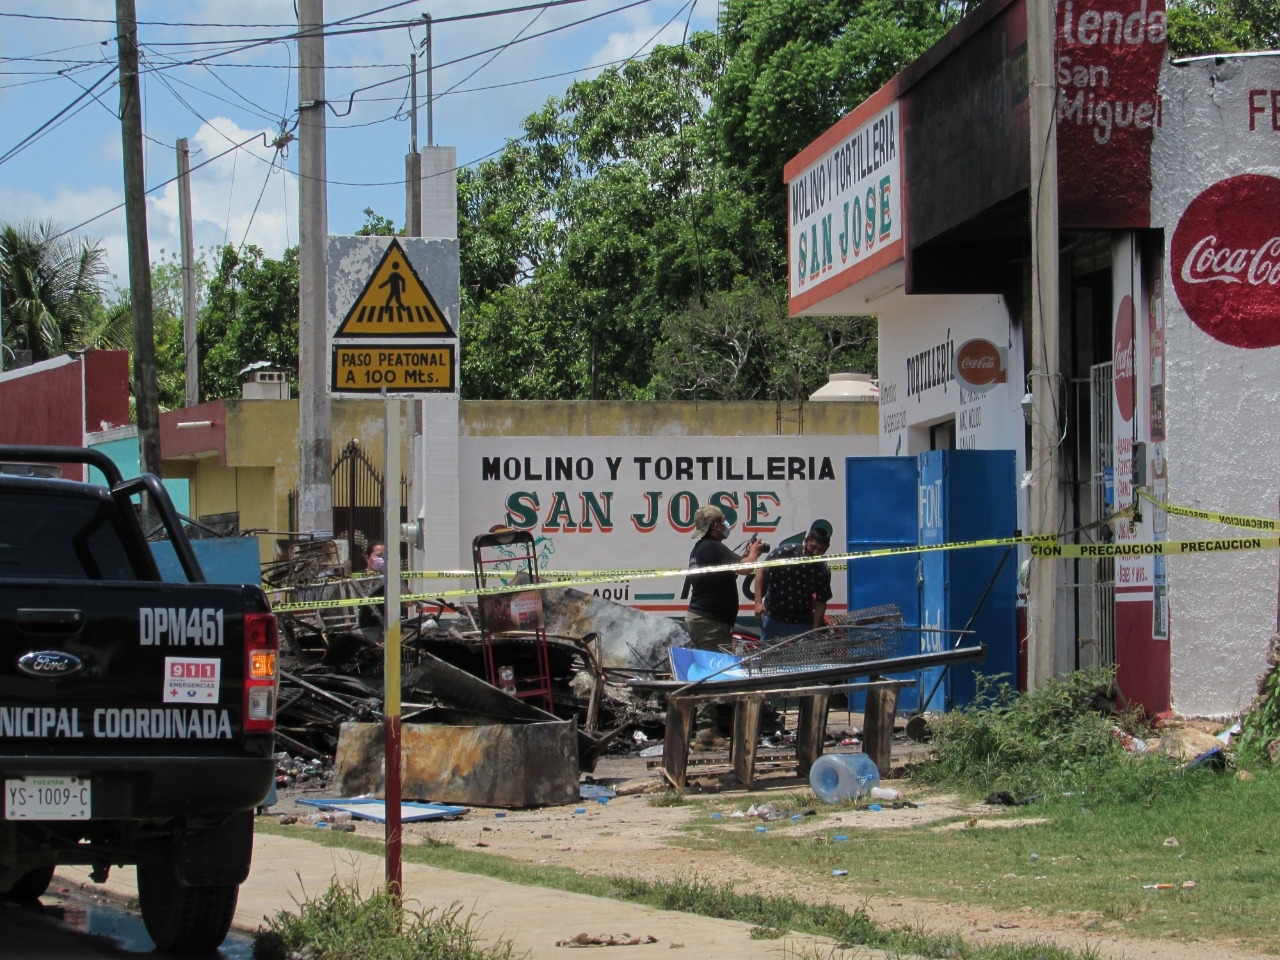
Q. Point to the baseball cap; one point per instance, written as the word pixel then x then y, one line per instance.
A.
pixel 820 530
pixel 705 518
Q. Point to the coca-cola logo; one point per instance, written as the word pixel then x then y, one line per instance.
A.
pixel 979 365
pixel 1225 261
pixel 1122 359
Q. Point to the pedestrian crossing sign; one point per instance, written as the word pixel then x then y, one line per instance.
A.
pixel 395 303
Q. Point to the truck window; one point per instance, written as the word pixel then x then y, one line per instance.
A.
pixel 63 538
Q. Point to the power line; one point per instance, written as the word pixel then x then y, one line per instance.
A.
pixel 380 27
pixel 162 185
pixel 499 47
pixel 49 124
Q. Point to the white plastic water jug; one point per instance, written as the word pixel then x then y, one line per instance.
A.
pixel 836 777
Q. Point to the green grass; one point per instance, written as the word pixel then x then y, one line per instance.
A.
pixel 344 924
pixel 1107 813
pixel 1091 858
pixel 771 917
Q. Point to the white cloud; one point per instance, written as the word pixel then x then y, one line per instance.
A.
pixel 225 190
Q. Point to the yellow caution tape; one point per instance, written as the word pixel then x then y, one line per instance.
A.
pixel 1227 519
pixel 592 578
pixel 1045 546
pixel 1040 549
pixel 1166 548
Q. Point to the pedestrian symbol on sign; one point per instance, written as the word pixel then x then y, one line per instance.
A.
pixel 395 303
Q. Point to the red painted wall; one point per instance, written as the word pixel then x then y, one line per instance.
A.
pixel 1108 55
pixel 44 406
pixel 1142 663
pixel 106 390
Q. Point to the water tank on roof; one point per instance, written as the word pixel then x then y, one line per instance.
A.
pixel 847 386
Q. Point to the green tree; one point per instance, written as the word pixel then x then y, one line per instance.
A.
pixel 610 213
pixel 1199 27
pixel 793 69
pixel 741 345
pixel 251 314
pixel 51 290
pixel 376 225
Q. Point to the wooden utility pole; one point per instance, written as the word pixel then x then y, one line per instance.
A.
pixel 145 390
pixel 190 346
pixel 315 488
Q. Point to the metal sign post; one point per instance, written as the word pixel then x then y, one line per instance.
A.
pixel 391 643
pixel 390 337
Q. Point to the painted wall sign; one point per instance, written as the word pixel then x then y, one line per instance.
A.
pixel 1122 359
pixel 1225 261
pixel 930 368
pixel 1108 55
pixel 610 503
pixel 980 364
pixel 847 204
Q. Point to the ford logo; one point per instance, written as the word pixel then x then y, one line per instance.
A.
pixel 49 663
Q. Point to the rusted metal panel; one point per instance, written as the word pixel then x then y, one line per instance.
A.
pixel 500 765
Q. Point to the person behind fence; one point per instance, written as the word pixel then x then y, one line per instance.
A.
pixel 713 598
pixel 792 598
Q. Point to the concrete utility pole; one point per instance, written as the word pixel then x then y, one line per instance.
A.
pixel 1045 379
pixel 431 140
pixel 145 390
pixel 315 488
pixel 438 496
pixel 190 346
pixel 413 161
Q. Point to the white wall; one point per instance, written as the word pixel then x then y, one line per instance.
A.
pixel 917 329
pixel 1223 444
pixel 773 486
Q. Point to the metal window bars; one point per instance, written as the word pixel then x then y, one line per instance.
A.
pixel 872 633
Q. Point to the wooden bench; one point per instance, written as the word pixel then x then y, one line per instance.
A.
pixel 882 702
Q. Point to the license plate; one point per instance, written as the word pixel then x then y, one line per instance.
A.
pixel 47 798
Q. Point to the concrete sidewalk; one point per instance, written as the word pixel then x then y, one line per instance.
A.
pixel 287 871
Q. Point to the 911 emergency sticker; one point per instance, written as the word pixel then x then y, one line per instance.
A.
pixel 190 681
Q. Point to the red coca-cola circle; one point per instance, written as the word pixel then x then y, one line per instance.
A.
pixel 979 364
pixel 1122 359
pixel 1225 261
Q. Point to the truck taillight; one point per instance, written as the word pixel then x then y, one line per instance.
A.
pixel 261 672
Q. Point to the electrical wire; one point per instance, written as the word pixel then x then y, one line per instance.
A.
pixel 497 53
pixel 53 121
pixel 238 147
pixel 163 184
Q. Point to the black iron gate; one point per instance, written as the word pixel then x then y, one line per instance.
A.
pixel 359 501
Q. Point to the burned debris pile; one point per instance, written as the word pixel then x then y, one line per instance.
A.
pixel 333 662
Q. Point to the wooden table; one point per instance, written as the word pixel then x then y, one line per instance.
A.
pixel 882 701
pixel 813 687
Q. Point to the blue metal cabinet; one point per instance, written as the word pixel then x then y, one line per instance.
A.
pixel 967 495
pixel 880 512
pixel 944 496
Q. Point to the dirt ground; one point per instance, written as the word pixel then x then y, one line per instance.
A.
pixel 629 836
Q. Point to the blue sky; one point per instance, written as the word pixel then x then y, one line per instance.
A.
pixel 51 53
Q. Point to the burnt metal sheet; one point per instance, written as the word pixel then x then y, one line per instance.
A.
pixel 629 638
pixel 802 678
pixel 501 765
pixel 455 686
pixel 465 691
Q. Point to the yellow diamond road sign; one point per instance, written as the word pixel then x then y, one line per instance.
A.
pixel 395 303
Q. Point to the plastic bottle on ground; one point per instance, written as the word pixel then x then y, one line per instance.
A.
pixel 885 793
pixel 837 777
